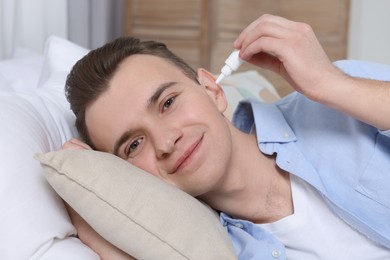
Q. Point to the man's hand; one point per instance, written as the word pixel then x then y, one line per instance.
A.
pixel 75 144
pixel 290 49
pixel 85 232
pixel 93 240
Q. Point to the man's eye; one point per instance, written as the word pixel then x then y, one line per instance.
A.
pixel 168 103
pixel 133 146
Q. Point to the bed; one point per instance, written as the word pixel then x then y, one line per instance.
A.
pixel 133 210
pixel 36 120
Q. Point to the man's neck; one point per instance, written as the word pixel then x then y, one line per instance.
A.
pixel 255 188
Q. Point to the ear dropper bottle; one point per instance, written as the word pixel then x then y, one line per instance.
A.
pixel 232 63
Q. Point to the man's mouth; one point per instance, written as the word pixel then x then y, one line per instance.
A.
pixel 187 156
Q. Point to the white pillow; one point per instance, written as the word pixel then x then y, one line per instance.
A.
pixel 33 220
pixel 20 73
pixel 4 84
pixel 60 55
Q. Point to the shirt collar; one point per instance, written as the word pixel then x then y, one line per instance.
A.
pixel 269 122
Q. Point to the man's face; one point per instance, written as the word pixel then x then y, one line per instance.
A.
pixel 161 121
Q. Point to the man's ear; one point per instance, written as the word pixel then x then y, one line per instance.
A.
pixel 216 93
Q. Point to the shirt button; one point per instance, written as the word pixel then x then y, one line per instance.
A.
pixel 286 135
pixel 275 253
pixel 239 225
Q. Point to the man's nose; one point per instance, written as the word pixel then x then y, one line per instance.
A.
pixel 165 142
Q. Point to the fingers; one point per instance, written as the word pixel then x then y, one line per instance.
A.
pixel 75 144
pixel 288 48
pixel 266 25
pixel 271 34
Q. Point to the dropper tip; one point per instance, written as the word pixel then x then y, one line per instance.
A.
pixel 219 79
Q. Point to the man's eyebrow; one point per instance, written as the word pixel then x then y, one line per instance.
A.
pixel 121 140
pixel 156 95
pixel 151 101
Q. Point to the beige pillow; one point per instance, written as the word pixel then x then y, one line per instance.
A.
pixel 134 210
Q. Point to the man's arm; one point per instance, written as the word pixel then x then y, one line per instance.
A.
pixel 93 240
pixel 292 50
pixel 366 100
pixel 85 232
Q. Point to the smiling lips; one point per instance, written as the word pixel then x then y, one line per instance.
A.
pixel 187 157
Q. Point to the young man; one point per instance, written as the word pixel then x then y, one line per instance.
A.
pixel 306 177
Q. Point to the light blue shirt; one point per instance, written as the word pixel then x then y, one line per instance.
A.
pixel 346 160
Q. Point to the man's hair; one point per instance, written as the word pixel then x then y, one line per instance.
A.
pixel 90 76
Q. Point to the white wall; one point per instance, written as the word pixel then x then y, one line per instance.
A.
pixel 28 23
pixel 369 33
pixel 91 23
